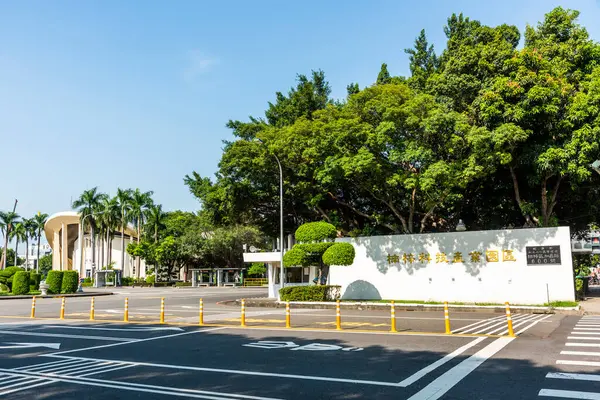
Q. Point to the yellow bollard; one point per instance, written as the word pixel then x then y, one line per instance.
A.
pixel 126 312
pixel 447 318
pixel 92 310
pixel 511 332
pixel 243 316
pixel 62 309
pixel 393 317
pixel 33 307
pixel 162 310
pixel 201 316
pixel 338 316
pixel 288 322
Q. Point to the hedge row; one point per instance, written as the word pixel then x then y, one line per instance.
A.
pixel 54 281
pixel 20 283
pixel 310 293
pixel 70 282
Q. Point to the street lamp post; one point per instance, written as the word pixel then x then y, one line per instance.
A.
pixel 281 270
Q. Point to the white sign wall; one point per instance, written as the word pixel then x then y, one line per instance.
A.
pixel 521 266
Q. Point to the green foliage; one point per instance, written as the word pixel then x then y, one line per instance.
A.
pixel 150 279
pixel 310 293
pixel 21 283
pixel 339 254
pixel 127 281
pixel 45 265
pixel 70 282
pixel 296 257
pixel 257 269
pixel 6 276
pixel 183 284
pixel 315 232
pixel 34 280
pixel 54 281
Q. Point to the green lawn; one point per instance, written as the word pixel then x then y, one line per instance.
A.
pixel 34 293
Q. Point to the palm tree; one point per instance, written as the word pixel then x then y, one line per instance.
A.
pixel 155 218
pixel 88 203
pixel 8 221
pixel 40 222
pixel 124 200
pixel 140 201
pixel 19 233
pixel 30 229
pixel 110 221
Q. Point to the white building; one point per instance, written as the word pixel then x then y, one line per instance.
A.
pixel 69 252
pixel 31 260
pixel 588 245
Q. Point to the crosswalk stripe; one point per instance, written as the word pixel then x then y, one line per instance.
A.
pixel 35 366
pixel 530 325
pixel 495 324
pixel 586 329
pixel 580 363
pixel 30 385
pixel 579 377
pixel 51 367
pixel 103 370
pixel 482 322
pixel 585 333
pixel 582 338
pixel 82 366
pixel 581 353
pixel 569 394
pixel 582 344
pixel 515 325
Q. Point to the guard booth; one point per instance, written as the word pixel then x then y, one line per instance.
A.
pixel 217 276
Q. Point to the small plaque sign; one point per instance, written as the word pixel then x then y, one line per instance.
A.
pixel 543 255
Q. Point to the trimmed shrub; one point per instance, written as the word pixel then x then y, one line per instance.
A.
pixel 6 276
pixel 183 284
pixel 127 281
pixel 34 280
pixel 54 281
pixel 315 232
pixel 21 283
pixel 310 293
pixel 339 254
pixel 70 282
pixel 150 279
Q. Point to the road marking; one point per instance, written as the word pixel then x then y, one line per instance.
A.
pixel 257 320
pixel 353 323
pixel 21 333
pixel 450 378
pixel 582 344
pixel 54 346
pixel 105 370
pixel 135 341
pixel 589 325
pixel 582 338
pixel 138 387
pixel 239 372
pixel 503 328
pixel 569 394
pixel 481 323
pixel 29 386
pixel 581 353
pixel 419 374
pixel 579 377
pixel 100 328
pixel 532 325
pixel 586 333
pixel 48 368
pixel 74 368
pixel 586 329
pixel 44 365
pixel 583 363
pixel 500 322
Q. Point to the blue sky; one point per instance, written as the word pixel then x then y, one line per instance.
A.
pixel 137 93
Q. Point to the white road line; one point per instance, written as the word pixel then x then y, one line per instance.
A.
pixel 239 372
pixel 29 386
pixel 502 324
pixel 569 344
pixel 484 328
pixel 479 323
pixel 579 377
pixel 105 338
pixel 582 338
pixel 52 367
pixel 14 381
pixel 588 325
pixel 586 333
pixel 581 363
pixel 587 329
pixel 516 323
pixel 44 365
pixel 98 367
pixel 83 368
pixel 532 325
pixel 137 387
pixel 482 321
pixel 419 374
pixel 569 394
pixel 100 328
pixel 134 341
pixel 105 370
pixel 450 378
pixel 581 353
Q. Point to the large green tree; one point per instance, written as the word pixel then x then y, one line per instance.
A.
pixel 40 221
pixel 88 205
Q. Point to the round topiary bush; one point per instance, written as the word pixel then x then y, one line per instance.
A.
pixel 339 254
pixel 54 281
pixel 315 232
pixel 70 282
pixel 295 257
pixel 21 283
pixel 6 276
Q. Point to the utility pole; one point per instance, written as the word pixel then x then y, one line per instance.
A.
pixel 8 229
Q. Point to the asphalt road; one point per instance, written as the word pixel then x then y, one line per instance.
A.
pixel 553 357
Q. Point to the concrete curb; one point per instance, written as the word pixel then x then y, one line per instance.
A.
pixel 405 307
pixel 50 296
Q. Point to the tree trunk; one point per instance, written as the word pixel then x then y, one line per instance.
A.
pixel 102 252
pixel 37 264
pixel 27 253
pixel 122 242
pixel 548 206
pixel 16 251
pixel 137 259
pixel 530 220
pixel 93 238
pixel 4 249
